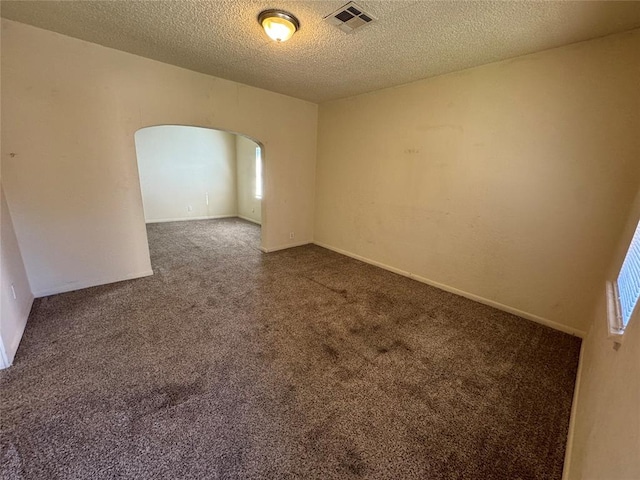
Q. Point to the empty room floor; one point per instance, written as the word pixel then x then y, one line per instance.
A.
pixel 233 364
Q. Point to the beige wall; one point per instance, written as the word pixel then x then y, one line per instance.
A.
pixel 605 439
pixel 70 111
pixel 511 182
pixel 249 207
pixel 508 182
pixel 13 311
pixel 186 172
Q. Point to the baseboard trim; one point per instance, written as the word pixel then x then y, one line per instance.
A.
pixel 566 471
pixel 462 293
pixel 183 219
pixel 284 247
pixel 249 219
pixel 89 284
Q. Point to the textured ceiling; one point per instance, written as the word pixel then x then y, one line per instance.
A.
pixel 411 39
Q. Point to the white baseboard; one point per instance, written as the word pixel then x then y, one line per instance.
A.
pixel 284 247
pixel 462 293
pixel 186 219
pixel 249 219
pixel 90 283
pixel 566 471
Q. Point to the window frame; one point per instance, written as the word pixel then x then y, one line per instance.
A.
pixel 259 187
pixel 614 313
pixel 615 321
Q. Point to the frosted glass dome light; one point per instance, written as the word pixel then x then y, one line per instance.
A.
pixel 278 25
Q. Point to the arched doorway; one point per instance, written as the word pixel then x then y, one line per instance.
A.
pixel 197 173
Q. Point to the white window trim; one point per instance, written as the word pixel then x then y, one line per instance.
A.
pixel 259 193
pixel 614 313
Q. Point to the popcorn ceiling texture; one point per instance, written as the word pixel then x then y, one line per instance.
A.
pixel 410 41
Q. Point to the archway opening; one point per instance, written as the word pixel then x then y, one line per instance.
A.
pixel 190 173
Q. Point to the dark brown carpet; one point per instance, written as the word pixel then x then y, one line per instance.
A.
pixel 233 364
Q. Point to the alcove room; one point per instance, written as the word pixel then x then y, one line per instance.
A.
pixel 320 240
pixel 200 183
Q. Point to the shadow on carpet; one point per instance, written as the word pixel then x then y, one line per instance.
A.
pixel 229 363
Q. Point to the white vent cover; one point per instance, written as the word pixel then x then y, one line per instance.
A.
pixel 349 17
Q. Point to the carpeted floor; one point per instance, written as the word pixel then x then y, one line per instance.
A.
pixel 233 364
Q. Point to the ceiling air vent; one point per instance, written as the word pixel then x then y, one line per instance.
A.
pixel 349 18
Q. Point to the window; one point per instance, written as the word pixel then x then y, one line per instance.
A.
pixel 624 292
pixel 258 173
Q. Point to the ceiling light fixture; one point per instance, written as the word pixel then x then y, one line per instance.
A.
pixel 279 25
